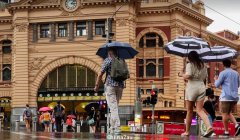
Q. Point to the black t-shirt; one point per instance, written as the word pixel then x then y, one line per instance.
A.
pixel 209 107
pixel 58 109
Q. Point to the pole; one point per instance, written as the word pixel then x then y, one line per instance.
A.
pixel 153 119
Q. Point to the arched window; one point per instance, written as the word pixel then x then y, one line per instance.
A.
pixel 151 68
pixel 70 76
pixel 151 40
pixel 6 72
pixel 170 104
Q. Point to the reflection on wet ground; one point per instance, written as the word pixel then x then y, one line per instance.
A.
pixel 7 135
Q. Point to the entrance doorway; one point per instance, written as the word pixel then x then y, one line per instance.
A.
pixel 73 86
pixel 5 112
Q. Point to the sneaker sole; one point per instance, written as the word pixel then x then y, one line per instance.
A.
pixel 238 131
pixel 208 134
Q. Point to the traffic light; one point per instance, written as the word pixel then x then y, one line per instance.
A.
pixel 154 96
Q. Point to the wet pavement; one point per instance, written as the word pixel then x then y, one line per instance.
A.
pixel 7 135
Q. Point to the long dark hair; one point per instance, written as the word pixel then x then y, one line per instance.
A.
pixel 194 58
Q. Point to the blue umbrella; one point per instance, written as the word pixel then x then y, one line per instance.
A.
pixel 124 50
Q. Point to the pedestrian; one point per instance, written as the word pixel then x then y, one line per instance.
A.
pixel 196 74
pixel 40 120
pixel 113 90
pixel 27 116
pixel 209 106
pixel 58 114
pixel 69 124
pixel 92 120
pixel 228 80
pixel 83 125
pixel 46 120
pixel 54 123
pixel 98 121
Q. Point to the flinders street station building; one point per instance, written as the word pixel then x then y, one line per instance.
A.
pixel 48 53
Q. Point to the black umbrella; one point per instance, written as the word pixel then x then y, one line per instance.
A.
pixel 90 105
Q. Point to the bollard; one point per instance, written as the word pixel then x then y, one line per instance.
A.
pixel 78 128
pixel 34 126
pixel 102 129
pixel 17 125
pixel 50 127
pixel 64 128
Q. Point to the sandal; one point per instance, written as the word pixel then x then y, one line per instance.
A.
pixel 208 133
pixel 185 134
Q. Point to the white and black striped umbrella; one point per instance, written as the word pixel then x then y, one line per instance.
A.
pixel 219 53
pixel 181 46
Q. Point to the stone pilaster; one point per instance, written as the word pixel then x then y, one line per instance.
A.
pixel 90 29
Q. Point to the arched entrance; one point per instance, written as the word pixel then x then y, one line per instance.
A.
pixel 5 112
pixel 72 85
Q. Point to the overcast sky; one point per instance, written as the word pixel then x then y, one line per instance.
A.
pixel 230 8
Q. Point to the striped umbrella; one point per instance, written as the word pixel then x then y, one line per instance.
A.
pixel 219 53
pixel 182 45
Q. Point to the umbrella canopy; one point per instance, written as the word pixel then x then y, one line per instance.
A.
pixel 219 53
pixel 124 50
pixel 181 46
pixel 71 116
pixel 43 109
pixel 90 105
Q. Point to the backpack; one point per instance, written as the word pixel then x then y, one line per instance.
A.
pixel 58 111
pixel 28 113
pixel 119 70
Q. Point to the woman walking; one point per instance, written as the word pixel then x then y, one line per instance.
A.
pixel 92 120
pixel 46 120
pixel 196 73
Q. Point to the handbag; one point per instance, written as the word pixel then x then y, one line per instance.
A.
pixel 91 121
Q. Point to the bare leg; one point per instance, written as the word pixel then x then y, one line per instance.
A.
pixel 225 118
pixel 202 114
pixel 189 116
pixel 232 118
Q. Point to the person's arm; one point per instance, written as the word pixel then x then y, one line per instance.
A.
pixel 104 69
pixel 188 72
pixel 219 80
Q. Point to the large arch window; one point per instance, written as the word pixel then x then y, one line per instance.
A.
pixel 151 40
pixel 70 76
pixel 6 72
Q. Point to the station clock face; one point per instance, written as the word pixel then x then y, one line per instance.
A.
pixel 71 4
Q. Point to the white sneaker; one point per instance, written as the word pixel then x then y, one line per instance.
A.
pixel 213 135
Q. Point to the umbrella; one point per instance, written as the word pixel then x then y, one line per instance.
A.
pixel 182 45
pixel 90 105
pixel 219 53
pixel 43 109
pixel 124 50
pixel 71 116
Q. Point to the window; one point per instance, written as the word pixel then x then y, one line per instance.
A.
pixel 70 76
pixel 165 103
pixel 62 29
pixel 160 68
pixel 151 68
pixel 170 104
pixel 141 43
pixel 6 72
pixel 141 68
pixel 151 40
pixel 148 91
pixel 99 27
pixel 6 47
pixel 44 31
pixel 81 29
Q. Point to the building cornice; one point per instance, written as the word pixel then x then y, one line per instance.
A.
pixel 176 7
pixel 6 19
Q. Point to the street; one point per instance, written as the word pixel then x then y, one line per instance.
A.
pixel 7 135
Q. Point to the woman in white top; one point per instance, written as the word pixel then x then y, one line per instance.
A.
pixel 196 73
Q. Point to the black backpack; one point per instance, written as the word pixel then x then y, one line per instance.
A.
pixel 28 113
